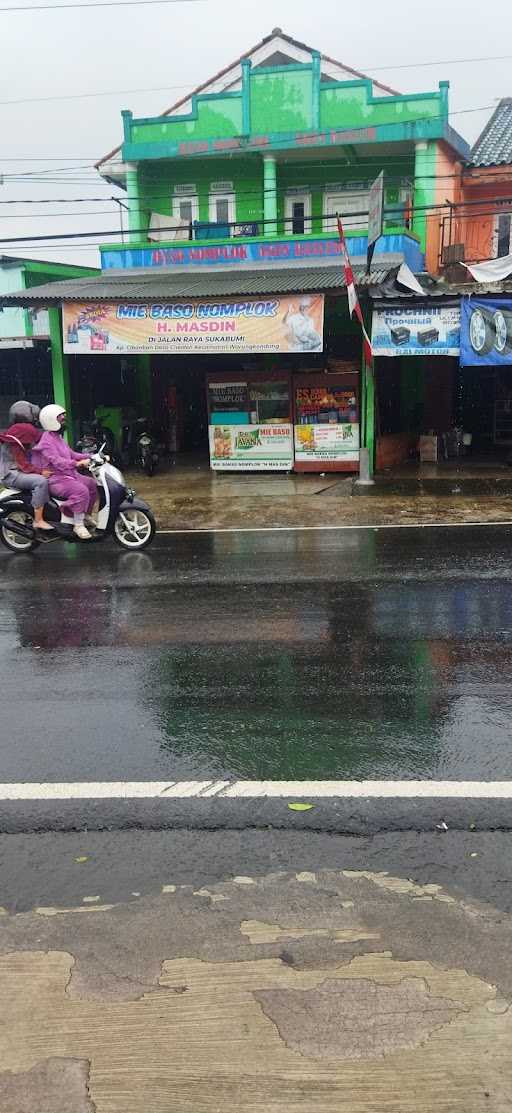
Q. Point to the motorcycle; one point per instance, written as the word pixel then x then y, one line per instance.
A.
pixel 147 451
pixel 93 434
pixel 121 514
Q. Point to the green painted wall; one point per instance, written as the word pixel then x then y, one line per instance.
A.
pixel 352 106
pixel 157 181
pixel 281 101
pixel 220 117
pixel 424 187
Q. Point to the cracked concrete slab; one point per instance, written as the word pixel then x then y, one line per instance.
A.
pixel 175 1006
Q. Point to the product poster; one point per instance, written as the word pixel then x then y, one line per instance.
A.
pixel 414 331
pixel 293 323
pixel 327 442
pixel 251 447
pixel 486 332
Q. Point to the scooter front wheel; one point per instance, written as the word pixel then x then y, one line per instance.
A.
pixel 13 540
pixel 134 528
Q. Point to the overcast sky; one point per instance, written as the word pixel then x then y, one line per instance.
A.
pixel 172 48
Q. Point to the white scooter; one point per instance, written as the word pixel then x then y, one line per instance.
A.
pixel 121 514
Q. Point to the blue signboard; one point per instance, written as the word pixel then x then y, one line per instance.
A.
pixel 251 251
pixel 486 332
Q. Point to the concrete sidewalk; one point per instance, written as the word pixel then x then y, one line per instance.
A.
pixel 296 993
pixel 195 498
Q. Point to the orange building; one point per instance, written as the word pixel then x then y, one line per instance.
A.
pixel 478 223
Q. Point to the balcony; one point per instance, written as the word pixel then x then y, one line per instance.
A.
pixel 242 250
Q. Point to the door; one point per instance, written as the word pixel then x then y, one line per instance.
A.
pixel 345 204
pixel 298 214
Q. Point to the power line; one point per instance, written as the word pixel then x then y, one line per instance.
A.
pixel 100 4
pixel 169 88
pixel 86 166
pixel 107 93
pixel 443 62
pixel 428 210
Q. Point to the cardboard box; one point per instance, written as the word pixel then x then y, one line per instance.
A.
pixel 428 450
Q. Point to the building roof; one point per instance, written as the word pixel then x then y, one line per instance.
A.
pixel 494 146
pixel 390 290
pixel 278 36
pixel 146 286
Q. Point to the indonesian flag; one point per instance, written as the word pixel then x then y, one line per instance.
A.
pixel 353 300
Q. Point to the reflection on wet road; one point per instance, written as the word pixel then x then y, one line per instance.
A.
pixel 356 654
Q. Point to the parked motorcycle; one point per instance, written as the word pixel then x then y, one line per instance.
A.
pixel 147 449
pixel 93 435
pixel 121 514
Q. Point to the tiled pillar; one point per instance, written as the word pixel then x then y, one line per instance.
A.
pixel 133 196
pixel 270 195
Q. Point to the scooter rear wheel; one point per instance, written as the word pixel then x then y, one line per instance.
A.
pixel 14 541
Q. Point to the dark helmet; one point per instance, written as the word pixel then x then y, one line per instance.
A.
pixel 23 411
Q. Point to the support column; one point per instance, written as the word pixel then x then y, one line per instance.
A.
pixel 270 195
pixel 424 189
pixel 143 384
pixel 134 210
pixel 60 366
pixel 370 417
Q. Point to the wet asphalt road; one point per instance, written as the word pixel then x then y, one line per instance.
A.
pixel 357 654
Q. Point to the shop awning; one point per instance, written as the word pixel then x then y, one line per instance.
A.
pixel 149 287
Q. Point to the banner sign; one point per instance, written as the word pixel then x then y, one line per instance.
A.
pixel 251 447
pixel 416 331
pixel 486 332
pixel 293 323
pixel 375 209
pixel 327 442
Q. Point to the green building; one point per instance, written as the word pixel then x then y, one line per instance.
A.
pixel 225 314
pixel 25 332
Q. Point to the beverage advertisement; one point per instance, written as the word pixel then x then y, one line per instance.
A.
pixel 414 331
pixel 293 323
pixel 486 332
pixel 251 447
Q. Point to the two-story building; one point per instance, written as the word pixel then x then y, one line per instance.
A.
pixel 227 307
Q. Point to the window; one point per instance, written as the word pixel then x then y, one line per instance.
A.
pixel 222 209
pixel 298 214
pixel 345 203
pixel 503 235
pixel 185 208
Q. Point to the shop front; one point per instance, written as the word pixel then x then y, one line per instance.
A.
pixel 443 381
pixel 268 383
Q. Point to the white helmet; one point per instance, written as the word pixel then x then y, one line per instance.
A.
pixel 49 418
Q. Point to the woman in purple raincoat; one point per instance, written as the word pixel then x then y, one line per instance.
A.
pixel 66 481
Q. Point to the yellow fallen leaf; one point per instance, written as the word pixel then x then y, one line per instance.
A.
pixel 300 807
pixel 84 858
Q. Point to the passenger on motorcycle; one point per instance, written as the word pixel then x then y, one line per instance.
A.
pixel 17 469
pixel 53 454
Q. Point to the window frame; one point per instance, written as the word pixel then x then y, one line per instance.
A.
pixel 230 197
pixel 177 200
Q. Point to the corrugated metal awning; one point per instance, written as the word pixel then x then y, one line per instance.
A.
pixel 146 286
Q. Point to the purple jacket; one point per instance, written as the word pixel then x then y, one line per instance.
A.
pixel 52 452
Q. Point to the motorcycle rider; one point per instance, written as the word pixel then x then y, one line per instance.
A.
pixel 17 469
pixel 52 453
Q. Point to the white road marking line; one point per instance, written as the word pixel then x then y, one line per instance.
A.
pixel 251 790
pixel 316 529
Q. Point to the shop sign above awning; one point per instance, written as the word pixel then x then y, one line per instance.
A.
pixel 291 323
pixel 416 331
